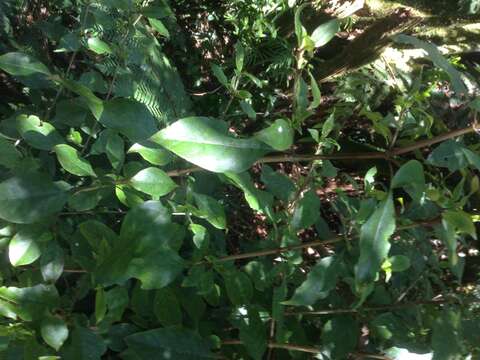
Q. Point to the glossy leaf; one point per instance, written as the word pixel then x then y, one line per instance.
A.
pixel 325 32
pixel 30 198
pixel 24 247
pixel 37 133
pixel 199 141
pixel 279 135
pixel 52 262
pixel 151 152
pixel 54 331
pixel 19 64
pixel 71 161
pixel 98 46
pixel 374 241
pixel 153 181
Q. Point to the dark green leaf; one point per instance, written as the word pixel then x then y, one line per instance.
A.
pixel 277 183
pixel 85 345
pixel 340 336
pixel 129 118
pixel 239 287
pixel 167 308
pixel 320 281
pixel 307 211
pixel 16 63
pixel 166 344
pixel 27 303
pixel 446 338
pixel 412 178
pixel 253 334
pixel 30 198
pixel 52 262
pixel 10 155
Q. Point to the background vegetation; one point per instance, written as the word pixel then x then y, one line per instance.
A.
pixel 242 179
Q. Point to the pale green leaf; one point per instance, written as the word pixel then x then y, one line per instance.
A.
pixel 153 181
pixel 24 248
pixel 72 162
pixel 279 135
pixel 197 140
pixel 211 210
pixel 159 27
pixel 98 46
pixel 54 331
pixel 37 133
pixel 325 32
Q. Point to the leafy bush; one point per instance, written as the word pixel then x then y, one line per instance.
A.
pixel 176 184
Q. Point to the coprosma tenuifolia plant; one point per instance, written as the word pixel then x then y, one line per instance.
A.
pixel 244 179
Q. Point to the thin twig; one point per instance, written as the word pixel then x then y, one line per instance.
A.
pixel 333 240
pixel 70 66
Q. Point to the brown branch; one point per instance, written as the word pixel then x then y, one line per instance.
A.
pixel 333 240
pixel 385 155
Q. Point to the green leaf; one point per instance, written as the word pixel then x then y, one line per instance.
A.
pixel 253 334
pixel 98 46
pixel 279 135
pixel 374 241
pixel 100 304
pixel 448 154
pixel 10 155
pixel 321 279
pixel 239 287
pixel 151 152
pixel 52 262
pixel 115 150
pixel 438 59
pixel 277 183
pixel 153 181
pixel 257 199
pixel 446 338
pixel 325 32
pixel 167 344
pixel 200 235
pixel 299 30
pixel 307 211
pixel 399 263
pixel 85 345
pixel 239 56
pixel 340 336
pixel 72 162
pixel 24 248
pixel 412 178
pixel 220 75
pixel 211 210
pixel 54 331
pixel 129 118
pixel 199 141
pixel 316 94
pixel 94 103
pixel 19 64
pixel 460 221
pixel 248 109
pixel 30 198
pixel 158 25
pixel 167 308
pixel 147 249
pixel 37 133
pixel 27 303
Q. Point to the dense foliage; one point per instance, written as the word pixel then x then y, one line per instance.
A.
pixel 242 179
